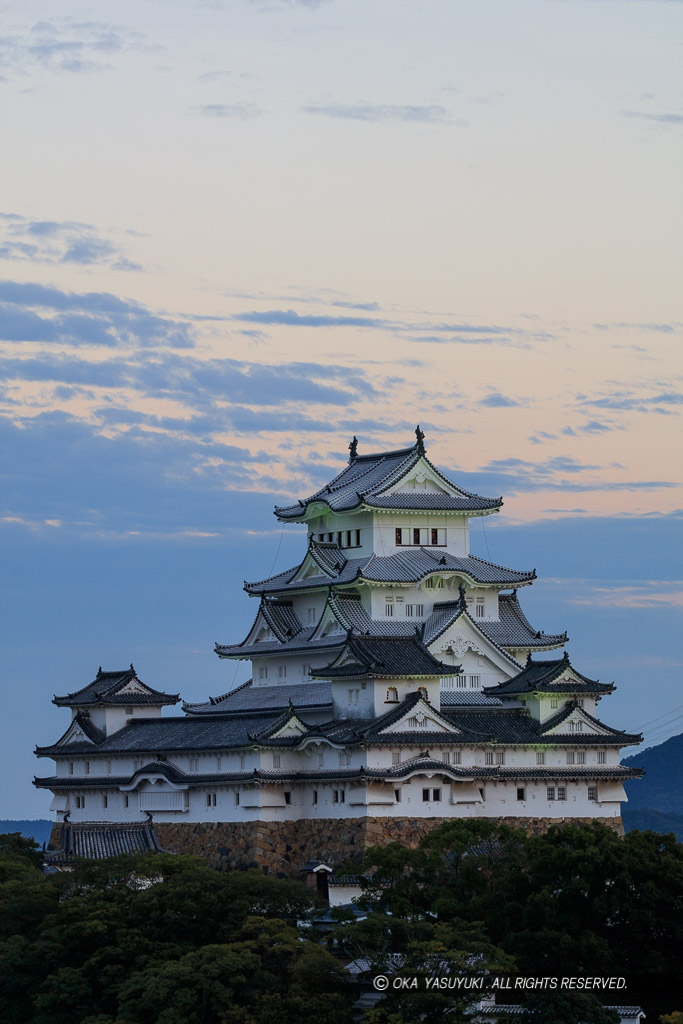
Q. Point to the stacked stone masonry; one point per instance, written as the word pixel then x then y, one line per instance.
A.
pixel 282 848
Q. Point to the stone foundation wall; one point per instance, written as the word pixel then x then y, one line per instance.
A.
pixel 283 847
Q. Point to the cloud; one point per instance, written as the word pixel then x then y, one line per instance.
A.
pixel 89 319
pixel 46 241
pixel 241 111
pixel 289 318
pixel 663 119
pixel 649 594
pixel 62 45
pixel 497 401
pixel 426 114
pixel 659 402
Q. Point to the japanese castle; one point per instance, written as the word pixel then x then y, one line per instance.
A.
pixel 395 683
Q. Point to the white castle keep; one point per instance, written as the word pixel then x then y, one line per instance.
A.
pixel 394 676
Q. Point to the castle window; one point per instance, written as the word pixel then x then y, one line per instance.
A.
pixel 571 758
pixel 592 792
pixel 211 799
pixel 80 803
pixel 194 764
pixel 479 608
pixel 129 711
pixel 105 801
pixel 553 702
pixel 310 614
pixel 71 767
pixel 276 760
pixel 108 767
pixel 445 756
pixel 424 692
pixel 86 767
pixel 263 672
pixel 392 695
pixel 576 726
pixel 550 792
pixel 344 759
pixel 396 757
pixel 288 797
pixel 495 757
pixel 540 758
pixel 315 796
pixel 305 671
pixel 330 538
pixel 241 760
pixel 237 799
pixel 338 796
pixel 321 760
pixel 474 682
pixel 414 611
pixel 125 799
pixel 431 796
pixel 389 607
pixel 397 796
pixel 219 763
pixel 601 757
pixel 461 681
pixel 282 671
pixel 521 793
pixel 581 757
pixel 488 758
pixel 456 757
pixel 399 540
pixel 357 537
pixel 353 696
pixel 561 792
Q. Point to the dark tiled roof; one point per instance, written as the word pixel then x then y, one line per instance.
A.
pixel 384 656
pixel 100 840
pixel 366 478
pixel 511 630
pixel 514 629
pixel 177 734
pixel 247 697
pixel 105 687
pixel 467 698
pixel 300 642
pixel 409 565
pixel 423 763
pixel 281 618
pixel 545 677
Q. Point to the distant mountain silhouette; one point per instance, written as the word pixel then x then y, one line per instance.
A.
pixel 661 789
pixel 38 829
pixel 653 821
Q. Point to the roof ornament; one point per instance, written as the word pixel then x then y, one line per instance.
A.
pixel 463 600
pixel 528 658
pixel 99 671
pixel 353 449
pixel 419 434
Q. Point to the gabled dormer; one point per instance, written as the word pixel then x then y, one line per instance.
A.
pixel 116 697
pixel 575 725
pixel 547 687
pixel 371 673
pixel 403 480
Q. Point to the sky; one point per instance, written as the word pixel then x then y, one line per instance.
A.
pixel 234 233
